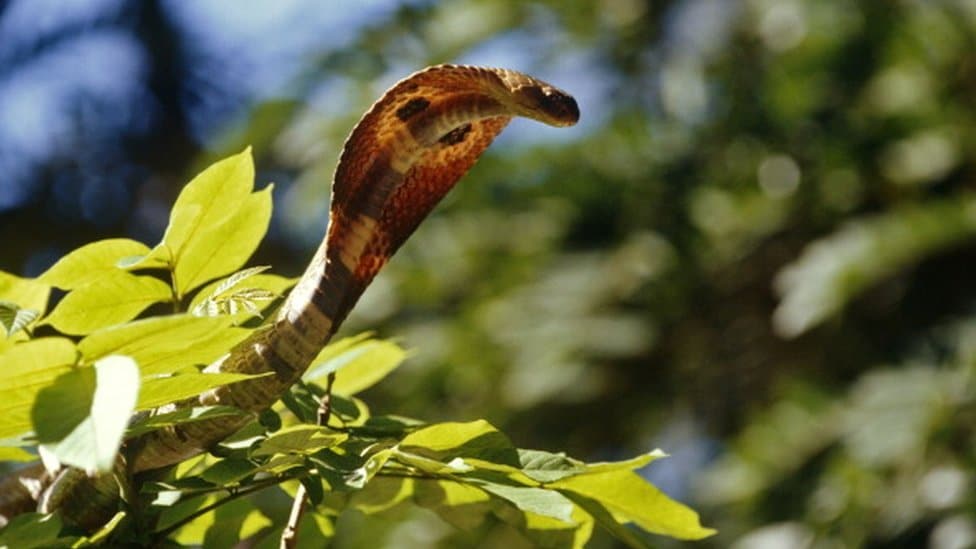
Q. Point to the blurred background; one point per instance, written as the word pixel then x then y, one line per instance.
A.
pixel 756 251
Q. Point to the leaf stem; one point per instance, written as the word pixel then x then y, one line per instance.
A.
pixel 234 494
pixel 289 536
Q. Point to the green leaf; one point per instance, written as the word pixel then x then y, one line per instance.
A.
pixel 162 345
pixel 159 257
pixel 630 498
pixel 30 530
pixel 159 391
pixel 216 290
pixel 626 465
pixel 194 531
pixel 362 365
pixel 254 522
pixel 314 490
pixel 382 493
pixel 25 369
pixel 547 467
pixel 215 224
pixel 14 319
pixel 227 472
pixel 624 533
pixel 299 439
pixel 476 439
pixel 220 249
pixel 209 199
pixel 432 466
pixel 13 453
pixel 341 468
pixel 112 299
pixel 333 350
pixel 373 465
pixel 240 290
pixel 26 293
pixel 545 531
pixel 232 522
pixel 82 417
pixel 548 503
pixel 91 262
pixel 460 505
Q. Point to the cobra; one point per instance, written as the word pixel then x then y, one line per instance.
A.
pixel 409 149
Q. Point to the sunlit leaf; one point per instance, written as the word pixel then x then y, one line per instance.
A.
pixel 249 299
pixel 26 293
pixel 548 503
pixel 630 498
pixel 625 465
pixel 218 249
pixel 461 505
pixel 192 532
pixel 13 453
pixel 215 224
pixel 381 494
pixel 91 262
pixel 216 289
pixel 361 363
pixel 623 531
pixel 82 416
pixel 546 531
pixel 476 439
pixel 165 344
pixel 209 199
pixel 300 439
pixel 112 299
pixel 25 369
pixel 432 466
pixel 158 391
pixel 254 522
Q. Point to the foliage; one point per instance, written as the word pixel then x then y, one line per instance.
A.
pixel 73 376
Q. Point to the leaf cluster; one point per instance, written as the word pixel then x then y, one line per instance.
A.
pixel 72 376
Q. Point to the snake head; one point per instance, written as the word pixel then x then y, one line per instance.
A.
pixel 547 104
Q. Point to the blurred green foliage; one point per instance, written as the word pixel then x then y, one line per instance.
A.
pixel 756 253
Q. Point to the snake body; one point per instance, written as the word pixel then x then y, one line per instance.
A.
pixel 403 156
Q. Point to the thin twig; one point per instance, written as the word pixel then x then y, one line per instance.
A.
pixel 289 536
pixel 162 534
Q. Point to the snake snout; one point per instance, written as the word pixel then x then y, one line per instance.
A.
pixel 560 106
pixel 549 105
